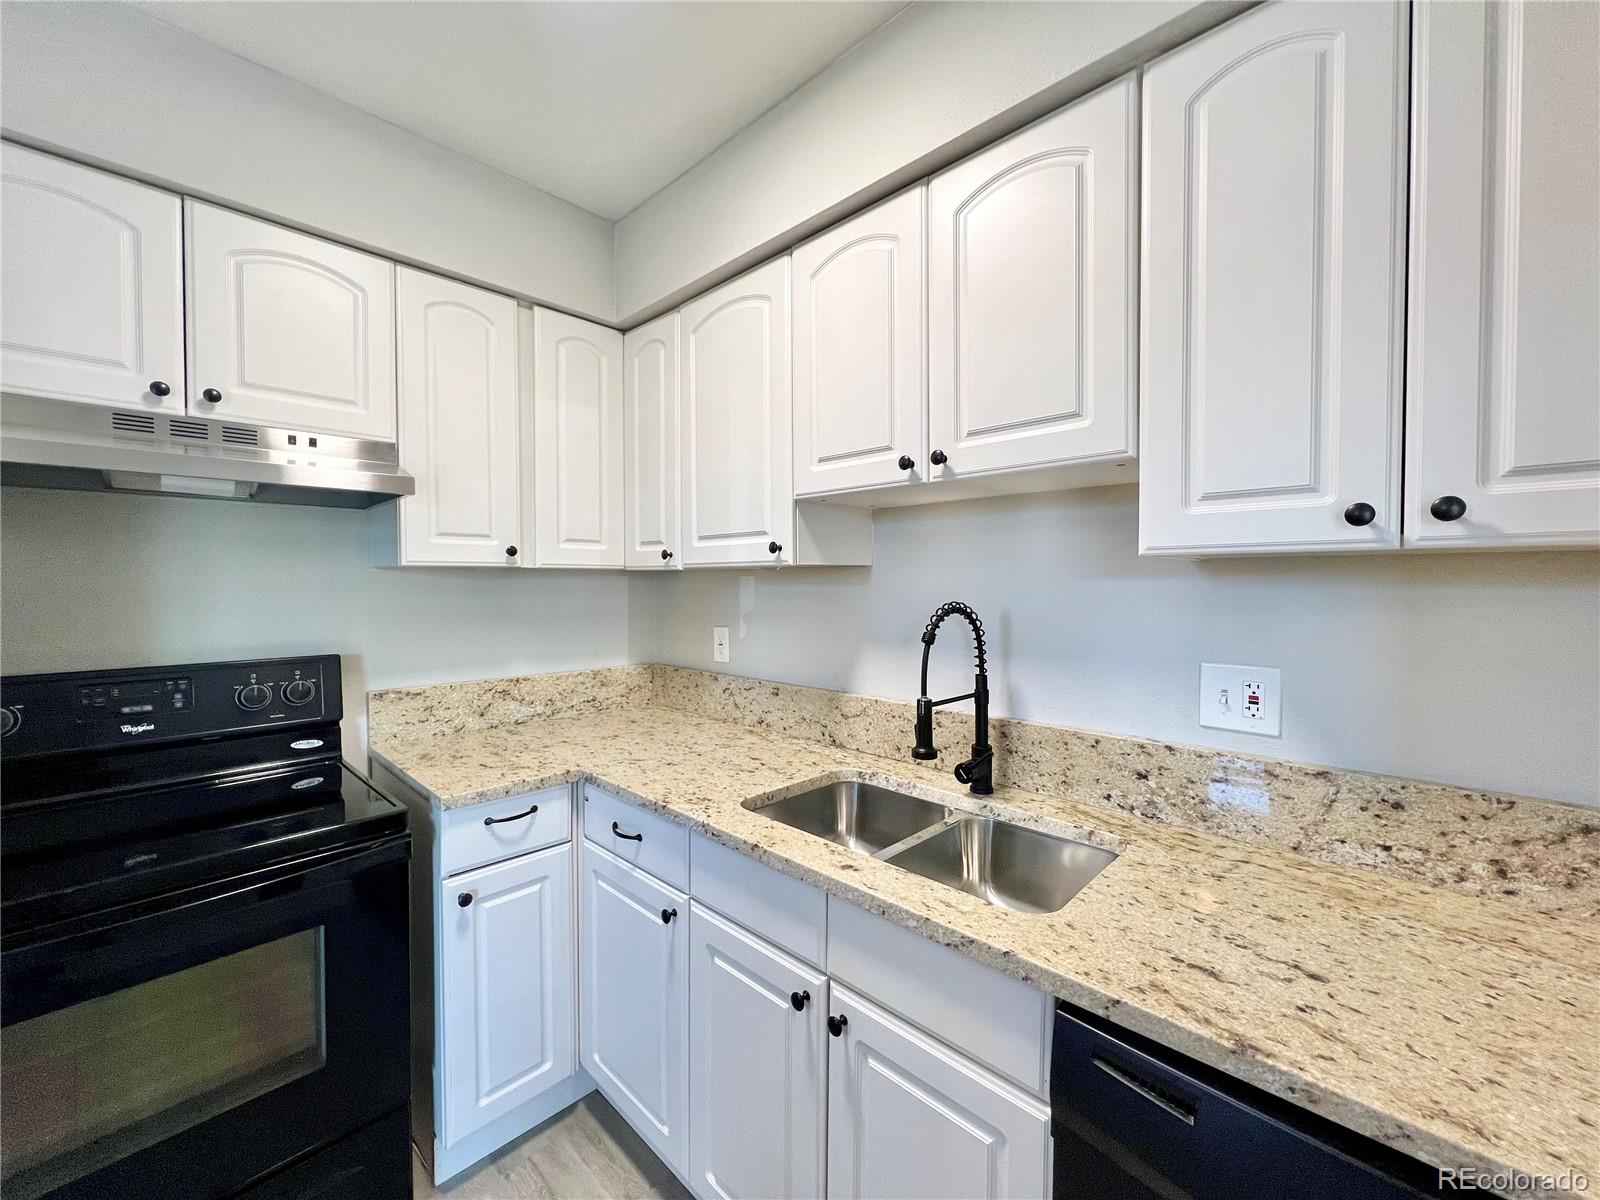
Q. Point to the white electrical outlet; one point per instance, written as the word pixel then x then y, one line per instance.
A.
pixel 1247 699
pixel 719 643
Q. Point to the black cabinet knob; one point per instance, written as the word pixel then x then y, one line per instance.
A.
pixel 937 458
pixel 464 900
pixel 907 462
pixel 799 999
pixel 666 556
pixel 211 396
pixel 774 547
pixel 1448 508
pixel 511 551
pixel 158 388
pixel 1360 513
pixel 667 914
pixel 836 1025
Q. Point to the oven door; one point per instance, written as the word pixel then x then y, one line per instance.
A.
pixel 192 1044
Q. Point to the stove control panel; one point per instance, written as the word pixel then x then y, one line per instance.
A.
pixel 92 710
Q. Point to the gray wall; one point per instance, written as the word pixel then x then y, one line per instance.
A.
pixel 109 85
pixel 92 581
pixel 1477 669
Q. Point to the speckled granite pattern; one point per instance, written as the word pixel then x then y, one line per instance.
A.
pixel 1460 1031
pixel 1537 853
pixel 485 703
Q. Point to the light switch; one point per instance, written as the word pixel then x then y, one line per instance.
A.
pixel 1246 699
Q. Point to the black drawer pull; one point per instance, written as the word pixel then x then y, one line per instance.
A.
pixel 627 837
pixel 517 817
pixel 1160 1097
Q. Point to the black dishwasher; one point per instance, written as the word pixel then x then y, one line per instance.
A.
pixel 1135 1121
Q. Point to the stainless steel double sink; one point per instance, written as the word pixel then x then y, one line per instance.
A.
pixel 1004 864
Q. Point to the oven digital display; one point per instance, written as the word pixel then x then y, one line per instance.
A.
pixel 135 698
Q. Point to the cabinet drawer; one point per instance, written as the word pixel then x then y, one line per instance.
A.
pixel 790 914
pixel 484 833
pixel 1000 1021
pixel 640 838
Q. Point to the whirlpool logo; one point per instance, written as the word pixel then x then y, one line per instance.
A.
pixel 142 727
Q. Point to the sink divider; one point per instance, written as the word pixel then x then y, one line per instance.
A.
pixel 920 836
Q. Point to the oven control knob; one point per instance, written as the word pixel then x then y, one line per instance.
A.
pixel 10 718
pixel 254 696
pixel 299 691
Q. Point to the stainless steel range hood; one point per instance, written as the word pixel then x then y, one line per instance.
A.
pixel 59 444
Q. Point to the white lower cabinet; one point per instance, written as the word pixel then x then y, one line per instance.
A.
pixel 908 1117
pixel 505 957
pixel 634 983
pixel 758 1065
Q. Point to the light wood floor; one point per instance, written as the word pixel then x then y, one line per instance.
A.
pixel 585 1153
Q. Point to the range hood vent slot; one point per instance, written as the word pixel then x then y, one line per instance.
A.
pixel 240 435
pixel 188 430
pixel 135 424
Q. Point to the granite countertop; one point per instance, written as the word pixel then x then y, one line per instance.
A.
pixel 1463 1032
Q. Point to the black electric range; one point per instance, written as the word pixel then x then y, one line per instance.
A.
pixel 203 939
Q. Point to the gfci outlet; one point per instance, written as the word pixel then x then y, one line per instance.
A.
pixel 719 643
pixel 1247 699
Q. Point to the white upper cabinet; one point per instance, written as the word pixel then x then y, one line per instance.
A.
pixel 1031 294
pixel 92 307
pixel 1274 225
pixel 652 459
pixel 578 443
pixel 908 1116
pixel 758 1075
pixel 506 960
pixel 733 361
pixel 1503 398
pixel 458 422
pixel 287 329
pixel 859 352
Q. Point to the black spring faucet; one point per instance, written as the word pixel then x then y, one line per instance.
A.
pixel 978 771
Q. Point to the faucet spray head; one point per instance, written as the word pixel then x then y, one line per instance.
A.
pixel 925 749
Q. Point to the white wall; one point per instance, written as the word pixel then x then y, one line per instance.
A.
pixel 935 83
pixel 109 85
pixel 93 580
pixel 1476 669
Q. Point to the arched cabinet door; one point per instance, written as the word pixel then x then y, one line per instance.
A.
pixel 1273 314
pixel 577 446
pixel 93 296
pixel 858 352
pixel 1031 294
pixel 1503 390
pixel 652 460
pixel 458 423
pixel 288 330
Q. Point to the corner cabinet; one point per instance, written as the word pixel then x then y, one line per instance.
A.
pixel 458 426
pixel 1503 395
pixel 634 983
pixel 577 442
pixel 1031 296
pixel 93 300
pixel 651 458
pixel 859 409
pixel 1273 275
pixel 286 329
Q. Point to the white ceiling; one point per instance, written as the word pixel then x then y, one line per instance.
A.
pixel 602 104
